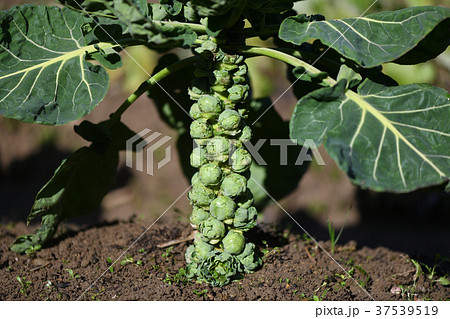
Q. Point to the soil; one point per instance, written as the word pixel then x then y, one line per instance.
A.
pixel 80 266
pixel 383 233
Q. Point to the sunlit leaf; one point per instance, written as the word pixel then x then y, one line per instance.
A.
pixel 44 77
pixel 377 38
pixel 387 139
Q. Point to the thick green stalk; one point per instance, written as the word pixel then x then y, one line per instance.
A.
pixel 285 57
pixel 149 83
pixel 222 203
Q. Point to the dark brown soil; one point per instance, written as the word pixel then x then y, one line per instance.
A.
pixel 294 269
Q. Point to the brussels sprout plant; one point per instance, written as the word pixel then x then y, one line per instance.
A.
pixel 385 136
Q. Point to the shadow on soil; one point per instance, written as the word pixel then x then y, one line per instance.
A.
pixel 414 223
pixel 22 179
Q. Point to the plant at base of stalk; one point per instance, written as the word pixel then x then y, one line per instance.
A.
pixel 222 202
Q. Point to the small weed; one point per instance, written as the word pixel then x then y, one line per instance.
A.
pixel 408 292
pixel 444 281
pixel 49 285
pixel 287 231
pixel 25 284
pixel 305 237
pixel 419 271
pixel 142 251
pixel 266 251
pixel 109 261
pixel 96 295
pixel 200 294
pixel 320 298
pixel 332 232
pixel 167 253
pixel 178 278
pixel 32 249
pixel 303 296
pixel 156 267
pixel 352 274
pixel 127 260
pixel 432 271
pixel 72 274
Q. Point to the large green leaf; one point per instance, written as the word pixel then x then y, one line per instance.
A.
pixel 79 183
pixel 44 76
pixel 78 186
pixel 385 138
pixel 377 38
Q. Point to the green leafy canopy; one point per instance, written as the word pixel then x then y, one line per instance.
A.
pixel 377 38
pixel 44 76
pixel 384 140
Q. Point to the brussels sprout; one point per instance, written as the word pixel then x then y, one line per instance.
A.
pixel 233 185
pixel 229 119
pixel 189 254
pixel 249 258
pixel 239 75
pixel 221 214
pixel 232 59
pixel 194 112
pixel 209 104
pixel 198 157
pixel 219 270
pixel 212 230
pixel 203 250
pixel 241 160
pixel 219 88
pixel 244 219
pixel 222 208
pixel 192 269
pixel 246 134
pixel 198 215
pixel 217 149
pixel 221 77
pixel 201 195
pixel 233 243
pixel 238 92
pixel 210 174
pixel 209 45
pixel 201 129
pixel 198 238
pixel 245 200
pixel 195 179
